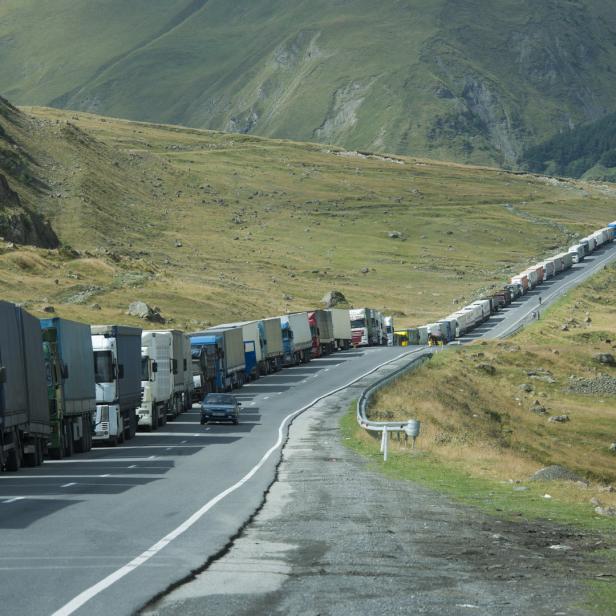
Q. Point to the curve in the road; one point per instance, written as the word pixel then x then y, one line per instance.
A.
pixel 88 594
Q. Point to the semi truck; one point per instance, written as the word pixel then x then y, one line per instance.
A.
pixel 341 322
pixel 212 345
pixel 24 412
pixel 253 333
pixel 389 330
pixel 189 385
pixel 176 405
pixel 365 327
pixel 156 379
pixel 233 361
pixel 296 338
pixel 71 390
pixel 117 373
pixel 204 361
pixel 323 343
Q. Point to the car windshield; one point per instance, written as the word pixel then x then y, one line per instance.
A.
pixel 218 399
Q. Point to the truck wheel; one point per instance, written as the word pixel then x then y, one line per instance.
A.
pixel 13 461
pixel 68 441
pixel 35 458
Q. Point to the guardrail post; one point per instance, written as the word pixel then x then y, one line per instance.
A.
pixel 386 441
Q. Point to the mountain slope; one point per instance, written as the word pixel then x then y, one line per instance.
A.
pixel 19 222
pixel 475 81
pixel 586 151
pixel 217 227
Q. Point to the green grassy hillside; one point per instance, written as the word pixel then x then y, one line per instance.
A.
pixel 213 227
pixel 475 81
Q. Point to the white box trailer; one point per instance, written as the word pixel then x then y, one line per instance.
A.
pixel 341 321
pixel 577 253
pixel 486 308
pixel 465 322
pixel 549 268
pixel 476 313
pixel 156 379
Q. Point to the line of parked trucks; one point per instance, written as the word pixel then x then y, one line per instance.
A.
pixel 65 385
pixel 466 319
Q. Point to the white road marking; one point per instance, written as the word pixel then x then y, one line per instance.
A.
pixel 174 434
pixel 93 460
pixel 14 499
pixel 94 590
pixel 184 423
pixel 133 466
pixel 266 398
pixel 68 485
pixel 106 475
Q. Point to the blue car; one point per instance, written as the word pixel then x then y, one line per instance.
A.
pixel 220 407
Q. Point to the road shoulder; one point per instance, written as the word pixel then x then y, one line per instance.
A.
pixel 335 537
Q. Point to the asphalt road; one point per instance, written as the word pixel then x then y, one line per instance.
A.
pixel 105 532
pixel 336 538
pixel 520 312
pixel 102 533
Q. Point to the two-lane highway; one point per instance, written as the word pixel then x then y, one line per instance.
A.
pixel 104 532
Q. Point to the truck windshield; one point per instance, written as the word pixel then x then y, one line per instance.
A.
pixel 145 368
pixel 103 367
pixel 358 323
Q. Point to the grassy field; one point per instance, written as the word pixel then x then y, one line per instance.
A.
pixel 494 428
pixel 267 226
pixel 473 81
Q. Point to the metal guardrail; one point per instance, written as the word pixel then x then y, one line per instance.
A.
pixel 410 427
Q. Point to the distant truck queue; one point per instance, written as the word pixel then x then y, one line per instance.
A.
pixel 65 385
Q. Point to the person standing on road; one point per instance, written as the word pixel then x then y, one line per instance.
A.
pixel 540 300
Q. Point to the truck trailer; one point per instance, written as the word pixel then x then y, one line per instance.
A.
pixel 273 349
pixel 156 379
pixel 71 388
pixel 117 372
pixel 341 322
pixel 296 338
pixel 233 360
pixel 24 412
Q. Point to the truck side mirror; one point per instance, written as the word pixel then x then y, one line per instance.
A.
pixel 64 371
pixel 2 375
pixel 121 371
pixel 154 366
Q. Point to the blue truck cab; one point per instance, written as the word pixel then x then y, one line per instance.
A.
pixel 213 343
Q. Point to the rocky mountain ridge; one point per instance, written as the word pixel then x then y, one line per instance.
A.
pixel 475 82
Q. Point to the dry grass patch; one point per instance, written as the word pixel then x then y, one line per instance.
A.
pixel 490 426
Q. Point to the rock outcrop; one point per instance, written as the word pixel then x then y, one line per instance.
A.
pixel 19 224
